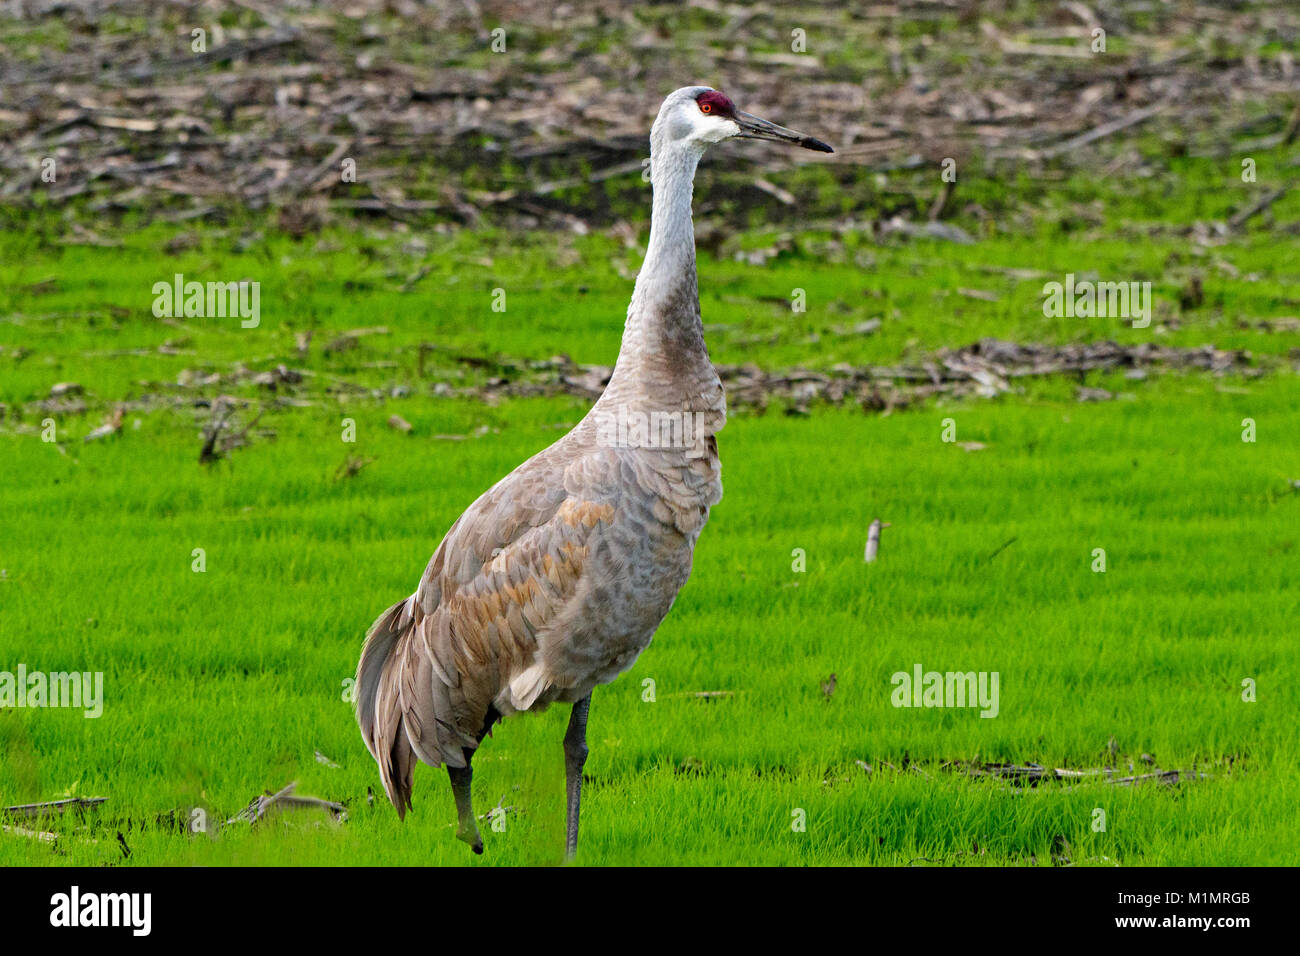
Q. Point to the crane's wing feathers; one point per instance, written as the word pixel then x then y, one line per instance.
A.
pixel 510 568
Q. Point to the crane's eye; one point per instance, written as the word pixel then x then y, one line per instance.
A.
pixel 706 107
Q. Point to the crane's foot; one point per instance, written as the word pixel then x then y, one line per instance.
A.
pixel 472 838
pixel 461 777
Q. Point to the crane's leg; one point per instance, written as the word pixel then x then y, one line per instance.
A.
pixel 460 781
pixel 575 755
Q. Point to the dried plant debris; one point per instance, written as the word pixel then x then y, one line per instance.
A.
pixel 352 466
pixel 1018 777
pixel 285 799
pixel 273 106
pixel 1033 774
pixel 27 816
pixel 221 434
pixel 32 811
pixel 983 369
pixel 45 836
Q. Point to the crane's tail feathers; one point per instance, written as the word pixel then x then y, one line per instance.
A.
pixel 379 704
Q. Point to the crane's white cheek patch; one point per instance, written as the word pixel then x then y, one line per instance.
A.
pixel 719 129
pixel 711 129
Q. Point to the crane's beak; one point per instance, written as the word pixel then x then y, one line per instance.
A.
pixel 753 127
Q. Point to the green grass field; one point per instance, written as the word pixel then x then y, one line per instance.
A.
pixel 223 684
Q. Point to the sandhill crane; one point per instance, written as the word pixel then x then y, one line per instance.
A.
pixel 556 578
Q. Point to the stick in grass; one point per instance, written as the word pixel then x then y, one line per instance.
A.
pixel 873 540
pixel 1006 544
pixel 51 807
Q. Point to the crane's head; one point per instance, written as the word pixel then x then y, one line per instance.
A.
pixel 698 117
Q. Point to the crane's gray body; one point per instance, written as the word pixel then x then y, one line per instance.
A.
pixel 556 579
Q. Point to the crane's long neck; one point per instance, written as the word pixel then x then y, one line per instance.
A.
pixel 666 286
pixel 663 359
